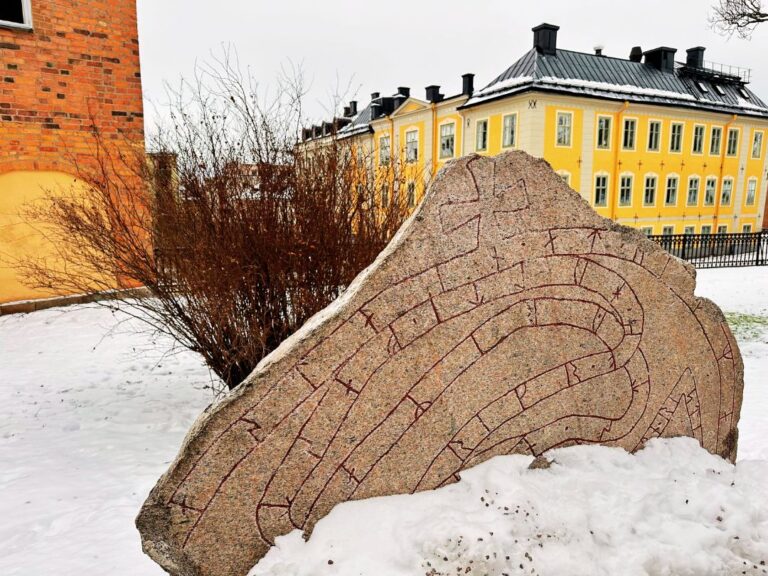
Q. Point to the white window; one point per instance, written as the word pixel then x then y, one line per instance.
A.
pixel 649 195
pixel 706 229
pixel 676 137
pixel 630 131
pixel 509 137
pixel 564 128
pixel 16 13
pixel 709 191
pixel 447 140
pixel 751 191
pixel 481 135
pixel 654 135
pixel 603 132
pixel 714 140
pixel 693 191
pixel 688 230
pixel 722 229
pixel 384 150
pixel 733 142
pixel 566 176
pixel 647 230
pixel 412 146
pixel 668 230
pixel 411 194
pixel 384 194
pixel 601 190
pixel 725 196
pixel 670 198
pixel 757 145
pixel 719 89
pixel 625 190
pixel 698 139
pixel 746 228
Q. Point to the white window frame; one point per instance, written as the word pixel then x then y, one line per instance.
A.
pixel 689 230
pixel 607 189
pixel 624 133
pixel 691 178
pixel 442 156
pixel 26 9
pixel 707 189
pixel 735 153
pixel 655 178
pixel 647 230
pixel 706 228
pixel 382 160
pixel 385 197
pixel 565 175
pixel 719 140
pixel 746 228
pixel 597 131
pixel 703 130
pixel 754 141
pixel 410 194
pixel 676 178
pixel 487 124
pixel 660 124
pixel 504 118
pixel 668 230
pixel 408 158
pixel 727 180
pixel 751 192
pixel 558 114
pixel 722 228
pixel 672 135
pixel 631 178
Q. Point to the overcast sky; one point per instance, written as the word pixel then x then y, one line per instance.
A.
pixel 375 46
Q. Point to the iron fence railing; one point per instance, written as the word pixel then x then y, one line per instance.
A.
pixel 717 250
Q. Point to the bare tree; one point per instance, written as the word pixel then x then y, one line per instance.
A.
pixel 239 234
pixel 738 16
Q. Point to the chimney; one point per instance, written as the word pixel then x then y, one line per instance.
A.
pixel 316 131
pixel 402 95
pixel 375 110
pixel 695 57
pixel 598 50
pixel 404 90
pixel 467 84
pixel 353 108
pixel 636 54
pixel 374 95
pixel 662 58
pixel 433 94
pixel 346 112
pixel 545 39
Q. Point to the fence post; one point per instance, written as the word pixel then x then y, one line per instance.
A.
pixel 759 247
pixel 682 249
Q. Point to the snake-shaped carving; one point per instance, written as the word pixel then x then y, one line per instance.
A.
pixel 505 317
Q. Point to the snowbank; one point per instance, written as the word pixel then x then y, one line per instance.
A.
pixel 672 508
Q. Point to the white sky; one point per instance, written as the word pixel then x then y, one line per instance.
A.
pixel 378 46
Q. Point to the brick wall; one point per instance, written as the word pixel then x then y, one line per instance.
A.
pixel 78 66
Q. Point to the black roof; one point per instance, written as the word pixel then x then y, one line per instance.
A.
pixel 619 79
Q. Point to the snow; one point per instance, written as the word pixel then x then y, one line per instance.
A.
pixel 92 413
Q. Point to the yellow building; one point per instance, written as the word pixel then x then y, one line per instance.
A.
pixel 669 147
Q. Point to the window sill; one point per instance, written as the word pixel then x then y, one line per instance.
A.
pixel 15 26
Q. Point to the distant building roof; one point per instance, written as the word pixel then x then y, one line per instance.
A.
pixel 600 76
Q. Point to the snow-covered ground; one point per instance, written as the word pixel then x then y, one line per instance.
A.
pixel 92 413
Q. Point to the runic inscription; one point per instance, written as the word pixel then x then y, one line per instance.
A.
pixel 506 317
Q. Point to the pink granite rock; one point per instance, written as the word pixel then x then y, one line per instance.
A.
pixel 505 317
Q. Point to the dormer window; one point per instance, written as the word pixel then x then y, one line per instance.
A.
pixel 701 87
pixel 16 13
pixel 719 90
pixel 744 93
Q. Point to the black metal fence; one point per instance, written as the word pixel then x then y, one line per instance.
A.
pixel 718 250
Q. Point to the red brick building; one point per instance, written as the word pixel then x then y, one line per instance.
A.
pixel 65 66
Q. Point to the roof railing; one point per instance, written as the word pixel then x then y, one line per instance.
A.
pixel 724 71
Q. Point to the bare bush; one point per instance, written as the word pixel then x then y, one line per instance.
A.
pixel 240 235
